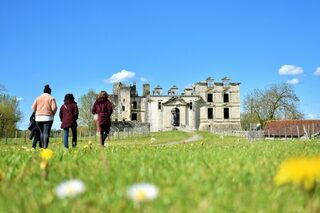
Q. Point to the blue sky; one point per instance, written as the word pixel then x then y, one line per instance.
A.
pixel 78 45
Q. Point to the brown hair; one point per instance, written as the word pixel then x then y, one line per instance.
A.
pixel 103 94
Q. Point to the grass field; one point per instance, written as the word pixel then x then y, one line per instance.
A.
pixel 213 174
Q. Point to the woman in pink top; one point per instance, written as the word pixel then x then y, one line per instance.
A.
pixel 45 107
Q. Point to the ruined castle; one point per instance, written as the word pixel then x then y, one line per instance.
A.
pixel 207 105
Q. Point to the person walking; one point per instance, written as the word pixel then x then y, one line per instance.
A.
pixel 68 114
pixel 45 107
pixel 103 108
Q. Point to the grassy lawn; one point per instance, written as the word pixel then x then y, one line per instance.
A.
pixel 214 174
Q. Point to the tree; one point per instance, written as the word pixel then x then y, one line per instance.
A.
pixel 85 103
pixel 279 101
pixel 10 114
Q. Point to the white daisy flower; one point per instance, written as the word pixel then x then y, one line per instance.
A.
pixel 142 192
pixel 70 188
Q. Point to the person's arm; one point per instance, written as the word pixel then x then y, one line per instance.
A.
pixel 110 109
pixel 54 106
pixel 61 113
pixel 76 112
pixel 34 106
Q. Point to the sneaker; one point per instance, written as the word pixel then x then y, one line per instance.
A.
pixel 74 144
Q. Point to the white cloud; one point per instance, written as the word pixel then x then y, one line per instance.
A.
pixel 143 79
pixel 317 72
pixel 293 81
pixel 290 70
pixel 120 76
pixel 312 116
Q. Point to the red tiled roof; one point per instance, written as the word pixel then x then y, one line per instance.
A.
pixel 291 128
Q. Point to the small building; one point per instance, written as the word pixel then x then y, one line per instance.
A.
pixel 207 105
pixel 292 129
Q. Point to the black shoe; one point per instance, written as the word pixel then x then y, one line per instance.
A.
pixel 74 144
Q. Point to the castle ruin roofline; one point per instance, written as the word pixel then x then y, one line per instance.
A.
pixel 225 79
pixel 210 79
pixel 232 84
pixel 235 83
pixel 202 83
pixel 174 101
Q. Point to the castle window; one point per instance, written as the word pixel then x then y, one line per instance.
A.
pixel 226 97
pixel 210 98
pixel 123 108
pixel 226 113
pixel 134 105
pixel 190 105
pixel 159 105
pixel 210 113
pixel 134 117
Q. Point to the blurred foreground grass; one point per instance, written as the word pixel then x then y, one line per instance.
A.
pixel 215 174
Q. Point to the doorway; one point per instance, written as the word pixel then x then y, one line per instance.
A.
pixel 175 121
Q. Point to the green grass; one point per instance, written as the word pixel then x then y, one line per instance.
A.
pixel 215 174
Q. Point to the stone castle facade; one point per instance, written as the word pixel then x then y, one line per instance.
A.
pixel 207 105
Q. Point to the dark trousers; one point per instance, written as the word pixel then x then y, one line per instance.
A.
pixel 103 134
pixel 45 128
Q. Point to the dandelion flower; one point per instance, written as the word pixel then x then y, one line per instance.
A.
pixel 46 154
pixel 142 192
pixel 70 188
pixel 300 171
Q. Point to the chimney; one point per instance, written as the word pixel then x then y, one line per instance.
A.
pixel 146 90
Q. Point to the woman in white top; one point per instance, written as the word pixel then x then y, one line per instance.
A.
pixel 45 107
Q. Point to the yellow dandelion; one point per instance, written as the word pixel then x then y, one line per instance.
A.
pixel 299 171
pixel 46 154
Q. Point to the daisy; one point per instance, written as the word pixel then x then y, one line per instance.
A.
pixel 142 192
pixel 70 188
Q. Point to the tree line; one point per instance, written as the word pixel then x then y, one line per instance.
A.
pixel 10 114
pixel 276 102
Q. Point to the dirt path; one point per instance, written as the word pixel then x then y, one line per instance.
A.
pixel 193 138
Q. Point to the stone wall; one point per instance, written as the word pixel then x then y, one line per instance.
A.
pixel 120 126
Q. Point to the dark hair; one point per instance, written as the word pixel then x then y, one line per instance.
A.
pixel 103 94
pixel 47 89
pixel 69 97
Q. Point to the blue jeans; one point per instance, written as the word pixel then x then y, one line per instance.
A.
pixel 66 136
pixel 45 128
